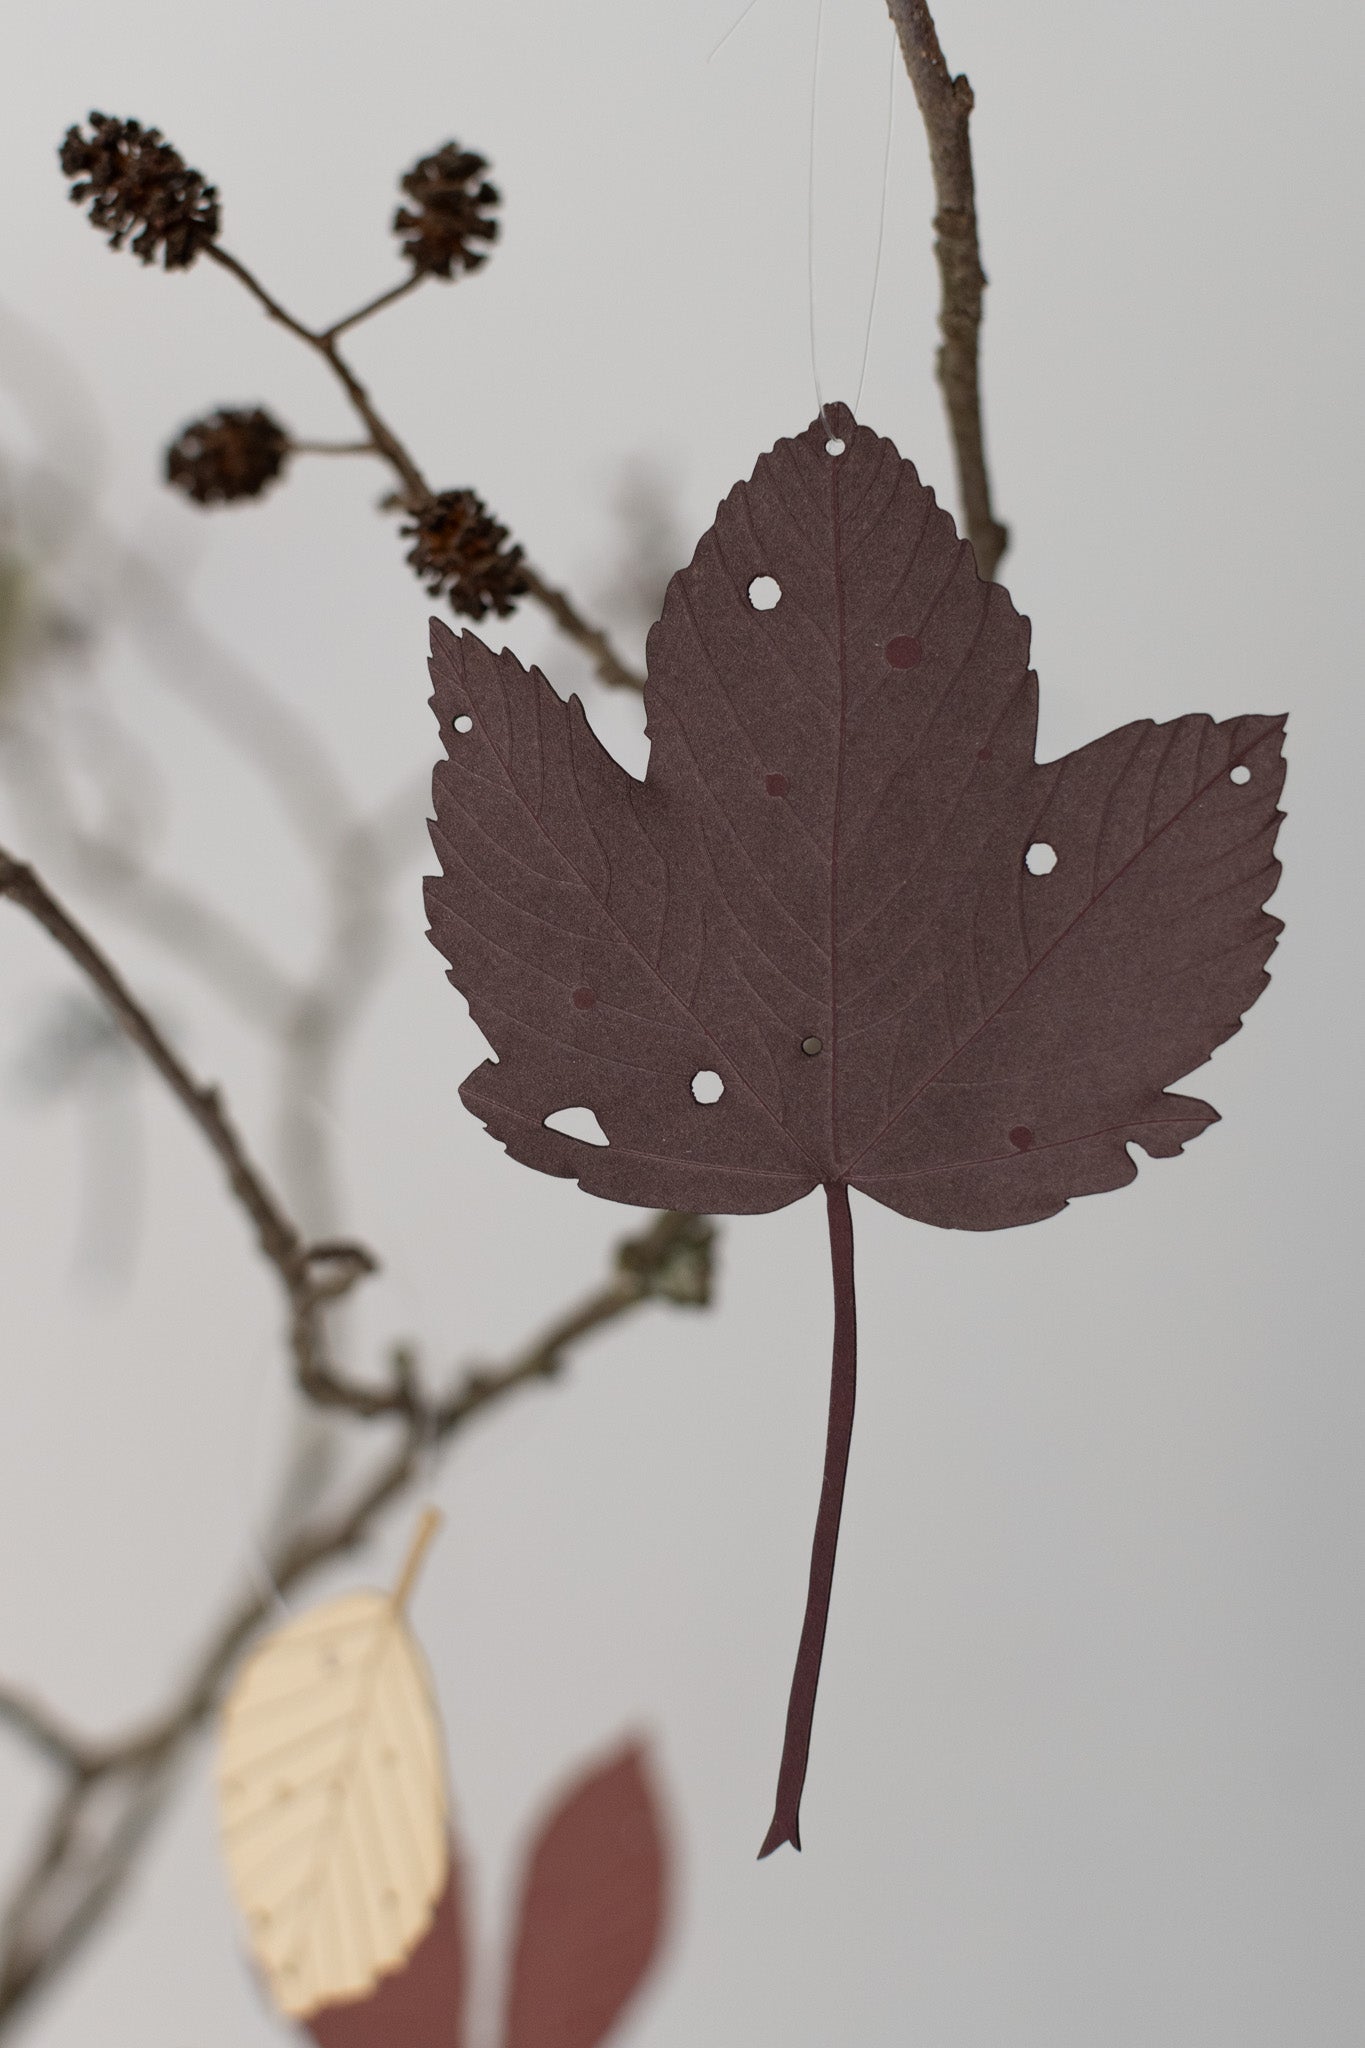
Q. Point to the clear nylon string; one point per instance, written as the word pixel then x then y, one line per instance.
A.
pixel 810 211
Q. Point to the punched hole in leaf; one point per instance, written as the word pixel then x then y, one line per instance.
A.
pixel 764 593
pixel 1240 774
pixel 834 446
pixel 464 723
pixel 1041 858
pixel 707 1086
pixel 579 1123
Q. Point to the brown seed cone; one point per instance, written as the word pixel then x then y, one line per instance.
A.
pixel 459 554
pixel 452 200
pixel 227 456
pixel 134 179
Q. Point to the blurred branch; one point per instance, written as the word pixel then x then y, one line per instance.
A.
pixel 188 924
pixel 29 1718
pixel 276 1234
pixel 945 104
pixel 76 1872
pixel 416 492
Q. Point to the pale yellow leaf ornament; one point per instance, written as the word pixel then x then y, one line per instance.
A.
pixel 332 1796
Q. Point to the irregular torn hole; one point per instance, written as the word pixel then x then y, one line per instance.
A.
pixel 707 1086
pixel 577 1123
pixel 1041 858
pixel 764 593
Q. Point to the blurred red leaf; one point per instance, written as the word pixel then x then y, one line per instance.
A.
pixel 421 2005
pixel 591 1910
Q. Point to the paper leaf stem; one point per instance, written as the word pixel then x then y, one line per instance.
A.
pixel 332 1798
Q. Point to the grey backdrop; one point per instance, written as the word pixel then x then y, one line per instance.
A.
pixel 1087 1762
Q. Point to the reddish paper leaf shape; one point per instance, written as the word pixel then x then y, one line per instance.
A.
pixel 423 2004
pixel 591 1910
pixel 848 931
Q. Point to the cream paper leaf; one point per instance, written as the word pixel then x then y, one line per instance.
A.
pixel 332 1797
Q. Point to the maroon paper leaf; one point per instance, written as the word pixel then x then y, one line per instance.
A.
pixel 591 1911
pixel 847 932
pixel 420 2006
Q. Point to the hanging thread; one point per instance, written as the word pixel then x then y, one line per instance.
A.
pixel 810 213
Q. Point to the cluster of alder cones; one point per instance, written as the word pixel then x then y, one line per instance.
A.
pixel 139 191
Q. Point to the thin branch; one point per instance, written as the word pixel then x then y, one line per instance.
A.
pixel 610 669
pixel 278 1238
pixel 332 448
pixel 416 492
pixel 945 103
pixel 376 305
pixel 38 1725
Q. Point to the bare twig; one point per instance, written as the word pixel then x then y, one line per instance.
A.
pixel 945 104
pixel 332 448
pixel 416 493
pixel 375 305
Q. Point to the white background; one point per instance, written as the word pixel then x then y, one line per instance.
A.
pixel 1087 1764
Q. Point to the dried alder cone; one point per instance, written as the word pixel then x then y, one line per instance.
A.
pixel 133 178
pixel 459 550
pixel 452 201
pixel 229 455
pixel 814 946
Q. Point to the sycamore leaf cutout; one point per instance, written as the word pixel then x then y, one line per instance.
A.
pixel 590 1917
pixel 332 1797
pixel 847 932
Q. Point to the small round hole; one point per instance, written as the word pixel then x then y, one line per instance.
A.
pixel 1239 775
pixel 464 723
pixel 764 593
pixel 707 1087
pixel 835 446
pixel 1041 858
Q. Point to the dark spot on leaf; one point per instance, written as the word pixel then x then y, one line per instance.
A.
pixel 583 998
pixel 903 652
pixel 983 753
pixel 776 785
pixel 1021 1137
